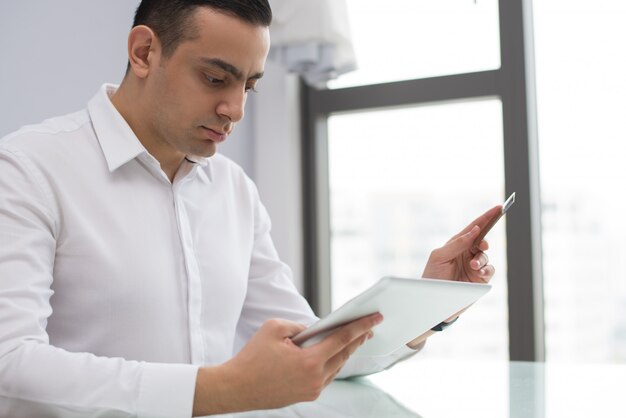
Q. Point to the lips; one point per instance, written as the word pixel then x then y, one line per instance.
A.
pixel 213 135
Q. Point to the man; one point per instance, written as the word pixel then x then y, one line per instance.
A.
pixel 137 272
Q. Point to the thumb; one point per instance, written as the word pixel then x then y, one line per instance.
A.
pixel 292 329
pixel 283 328
pixel 461 243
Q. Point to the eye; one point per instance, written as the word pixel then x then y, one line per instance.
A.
pixel 251 89
pixel 213 80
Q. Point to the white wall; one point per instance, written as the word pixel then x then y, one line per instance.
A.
pixel 277 166
pixel 55 54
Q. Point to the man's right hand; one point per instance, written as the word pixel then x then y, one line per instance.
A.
pixel 271 371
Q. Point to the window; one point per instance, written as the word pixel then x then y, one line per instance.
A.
pixel 398 189
pixel 436 38
pixel 581 91
pixel 398 158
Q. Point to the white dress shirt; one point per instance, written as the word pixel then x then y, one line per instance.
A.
pixel 117 284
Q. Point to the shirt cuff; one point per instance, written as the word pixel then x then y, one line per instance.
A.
pixel 167 390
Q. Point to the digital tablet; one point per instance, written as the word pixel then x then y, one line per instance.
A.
pixel 409 306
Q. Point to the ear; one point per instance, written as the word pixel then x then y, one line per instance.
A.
pixel 144 49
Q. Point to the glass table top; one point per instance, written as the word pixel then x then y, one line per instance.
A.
pixel 429 388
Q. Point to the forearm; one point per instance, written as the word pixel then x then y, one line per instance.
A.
pixel 207 399
pixel 218 392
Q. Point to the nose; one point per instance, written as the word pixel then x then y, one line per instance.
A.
pixel 231 106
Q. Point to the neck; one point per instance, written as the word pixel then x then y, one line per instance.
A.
pixel 137 117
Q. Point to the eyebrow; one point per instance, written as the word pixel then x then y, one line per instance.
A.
pixel 229 68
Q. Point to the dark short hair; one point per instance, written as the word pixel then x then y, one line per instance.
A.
pixel 170 19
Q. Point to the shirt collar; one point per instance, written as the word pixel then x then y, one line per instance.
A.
pixel 118 141
pixel 202 166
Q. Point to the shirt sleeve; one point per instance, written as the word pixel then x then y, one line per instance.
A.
pixel 272 294
pixel 36 378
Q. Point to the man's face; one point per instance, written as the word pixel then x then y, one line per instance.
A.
pixel 196 95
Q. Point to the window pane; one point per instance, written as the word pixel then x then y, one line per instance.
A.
pixel 402 182
pixel 406 39
pixel 581 93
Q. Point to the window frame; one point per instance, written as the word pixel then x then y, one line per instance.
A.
pixel 514 84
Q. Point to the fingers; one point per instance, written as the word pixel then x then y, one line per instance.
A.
pixel 479 261
pixel 482 220
pixel 282 328
pixel 470 237
pixel 486 217
pixel 487 272
pixel 482 246
pixel 480 264
pixel 336 362
pixel 458 244
pixel 336 348
pixel 348 335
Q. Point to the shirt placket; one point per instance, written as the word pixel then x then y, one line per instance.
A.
pixel 194 285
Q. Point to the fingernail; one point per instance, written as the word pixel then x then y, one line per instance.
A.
pixel 378 319
pixel 370 335
pixel 482 272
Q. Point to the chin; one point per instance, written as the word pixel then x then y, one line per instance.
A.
pixel 206 152
pixel 202 148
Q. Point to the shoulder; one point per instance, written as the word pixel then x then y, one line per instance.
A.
pixel 51 132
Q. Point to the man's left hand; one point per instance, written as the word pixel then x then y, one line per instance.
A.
pixel 460 260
